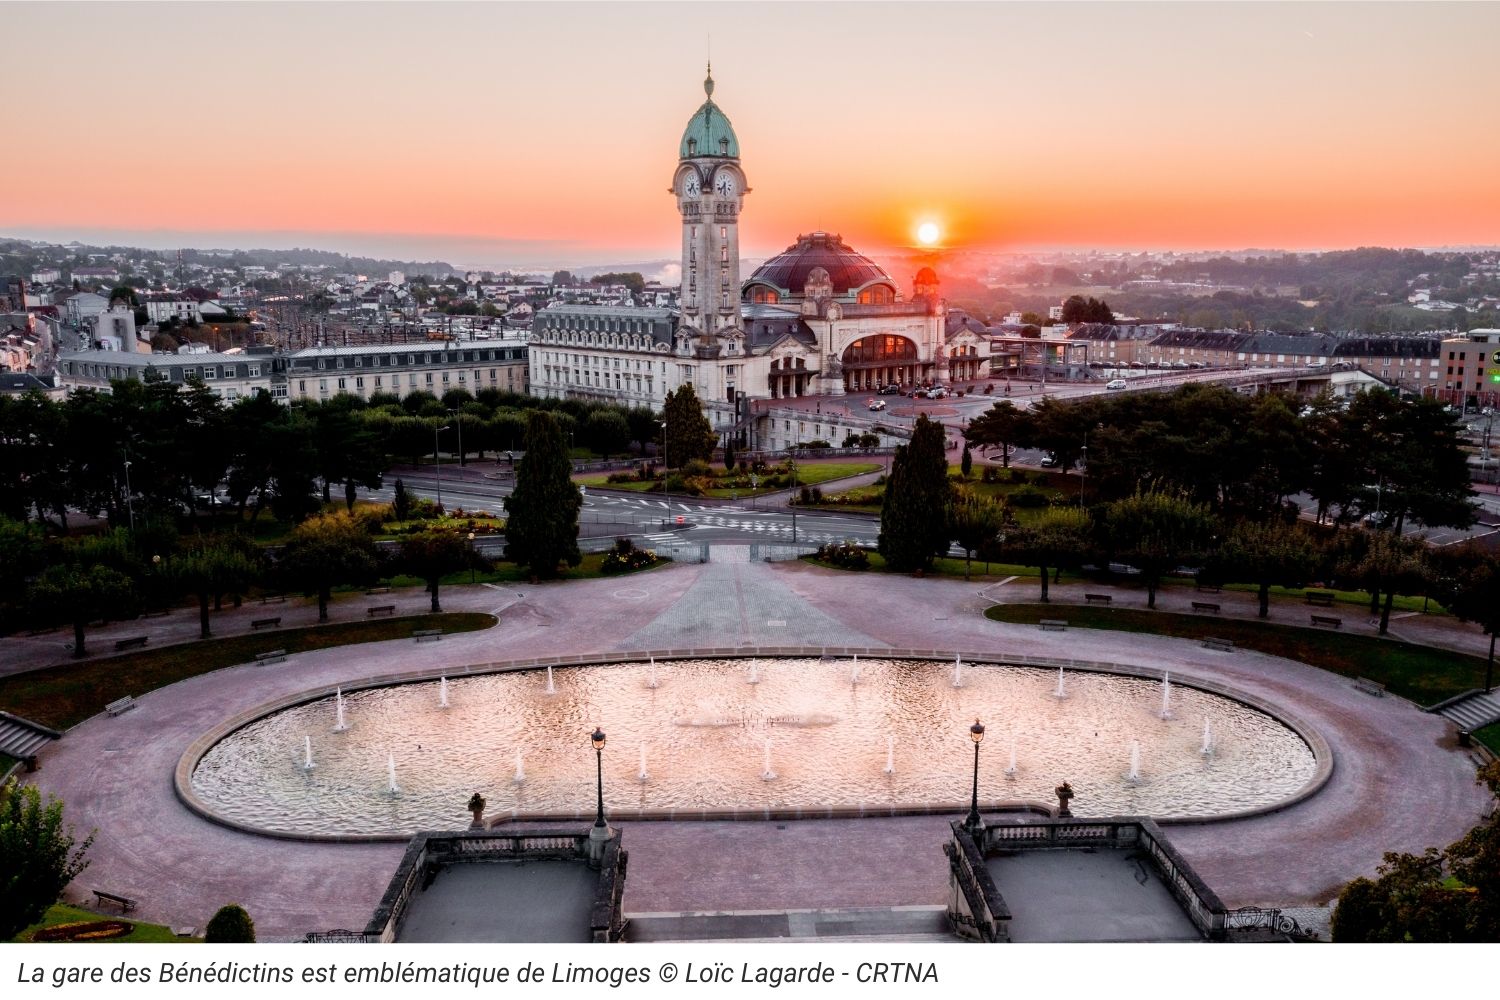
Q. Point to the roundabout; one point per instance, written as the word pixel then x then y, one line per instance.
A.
pixel 1394 778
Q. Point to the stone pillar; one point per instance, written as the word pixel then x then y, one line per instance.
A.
pixel 598 837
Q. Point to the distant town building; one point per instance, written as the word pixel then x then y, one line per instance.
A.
pixel 230 376
pixel 401 369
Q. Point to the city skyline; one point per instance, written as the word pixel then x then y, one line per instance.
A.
pixel 528 134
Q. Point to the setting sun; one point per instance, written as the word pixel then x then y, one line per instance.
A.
pixel 928 233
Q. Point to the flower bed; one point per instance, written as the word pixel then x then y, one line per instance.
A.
pixel 84 930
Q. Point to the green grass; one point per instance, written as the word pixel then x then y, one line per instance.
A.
pixel 1345 597
pixel 807 475
pixel 143 933
pixel 940 567
pixel 1421 673
pixel 68 693
pixel 589 569
pixel 1489 736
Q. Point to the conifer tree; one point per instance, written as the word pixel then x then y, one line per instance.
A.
pixel 541 528
pixel 914 514
pixel 689 434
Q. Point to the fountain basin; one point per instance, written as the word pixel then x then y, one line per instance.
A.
pixel 706 730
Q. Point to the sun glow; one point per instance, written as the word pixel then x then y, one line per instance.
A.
pixel 928 233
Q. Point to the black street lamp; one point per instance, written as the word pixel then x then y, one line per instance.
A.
pixel 598 740
pixel 973 822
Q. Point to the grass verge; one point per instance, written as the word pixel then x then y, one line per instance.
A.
pixel 940 567
pixel 590 569
pixel 1489 736
pixel 807 475
pixel 144 933
pixel 68 693
pixel 1421 673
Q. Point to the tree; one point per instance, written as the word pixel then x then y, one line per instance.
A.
pixel 230 925
pixel 729 455
pixel 325 551
pixel 432 555
pixel 606 431
pixel 1390 564
pixel 401 502
pixel 209 569
pixel 974 521
pixel 689 435
pixel 79 593
pixel 1156 533
pixel 1058 538
pixel 1077 309
pixel 1267 555
pixel 38 857
pixel 644 425
pixel 966 463
pixel 914 513
pixel 1469 586
pixel 541 528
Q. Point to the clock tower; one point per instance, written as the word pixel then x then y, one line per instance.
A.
pixel 710 189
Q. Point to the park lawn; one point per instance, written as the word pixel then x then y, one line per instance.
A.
pixel 66 694
pixel 1489 736
pixel 1346 597
pixel 60 913
pixel 589 569
pixel 807 475
pixel 1421 673
pixel 940 567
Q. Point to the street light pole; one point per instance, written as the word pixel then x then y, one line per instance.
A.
pixel 794 492
pixel 129 502
pixel 973 822
pixel 457 423
pixel 439 463
pixel 663 423
pixel 598 741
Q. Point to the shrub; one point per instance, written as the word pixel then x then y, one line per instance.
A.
pixel 624 546
pixel 1017 475
pixel 622 477
pixel 1028 496
pixel 231 925
pixel 372 518
pixel 629 559
pixel 845 555
pixel 806 495
pixel 989 474
pixel 423 509
pixel 817 495
pixel 819 443
pixel 696 468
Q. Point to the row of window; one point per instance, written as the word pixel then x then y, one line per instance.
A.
pixel 399 360
pixel 207 373
pixel 377 383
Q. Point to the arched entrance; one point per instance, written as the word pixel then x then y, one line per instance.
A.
pixel 881 359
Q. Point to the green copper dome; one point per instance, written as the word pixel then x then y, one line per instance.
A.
pixel 708 132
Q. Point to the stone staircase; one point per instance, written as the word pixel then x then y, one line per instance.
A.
pixel 1477 710
pixel 895 923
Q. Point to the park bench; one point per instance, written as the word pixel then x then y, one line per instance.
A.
pixel 428 635
pixel 126 903
pixel 1205 606
pixel 1052 625
pixel 1326 621
pixel 1098 598
pixel 120 706
pixel 273 599
pixel 1208 588
pixel 261 623
pixel 159 613
pixel 1369 687
pixel 1222 645
pixel 378 590
pixel 383 609
pixel 1322 598
pixel 272 656
pixel 134 642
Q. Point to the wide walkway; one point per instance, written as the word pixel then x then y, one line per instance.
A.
pixel 1399 782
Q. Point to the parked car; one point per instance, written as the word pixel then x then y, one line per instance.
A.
pixel 1118 383
pixel 876 404
pixel 937 392
pixel 1049 461
pixel 890 390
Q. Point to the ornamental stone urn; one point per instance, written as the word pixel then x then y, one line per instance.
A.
pixel 476 806
pixel 1064 792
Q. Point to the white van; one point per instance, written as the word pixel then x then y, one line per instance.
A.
pixel 1118 383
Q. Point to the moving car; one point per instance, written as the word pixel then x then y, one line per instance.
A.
pixel 1118 383
pixel 876 404
pixel 1049 461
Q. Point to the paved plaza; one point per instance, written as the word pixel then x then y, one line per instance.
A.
pixel 1399 781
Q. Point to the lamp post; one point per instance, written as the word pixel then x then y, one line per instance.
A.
pixel 439 463
pixel 973 822
pixel 598 741
pixel 471 557
pixel 663 423
pixel 129 503
pixel 793 464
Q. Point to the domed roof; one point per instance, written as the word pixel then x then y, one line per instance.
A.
pixel 847 268
pixel 708 132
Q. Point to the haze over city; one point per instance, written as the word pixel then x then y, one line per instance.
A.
pixel 519 135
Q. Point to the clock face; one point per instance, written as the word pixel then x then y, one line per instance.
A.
pixel 690 186
pixel 724 185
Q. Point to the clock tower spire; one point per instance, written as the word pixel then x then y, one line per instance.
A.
pixel 710 188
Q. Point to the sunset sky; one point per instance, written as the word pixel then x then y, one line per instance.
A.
pixel 520 134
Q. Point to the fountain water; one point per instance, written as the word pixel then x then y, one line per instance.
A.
pixel 958 671
pixel 390 770
pixel 551 688
pixel 1010 772
pixel 1135 762
pixel 338 700
pixel 1166 695
pixel 442 692
pixel 307 764
pixel 754 677
pixel 643 776
pixel 890 755
pixel 1208 738
pixel 854 671
pixel 651 681
pixel 1062 691
pixel 520 768
pixel 766 773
